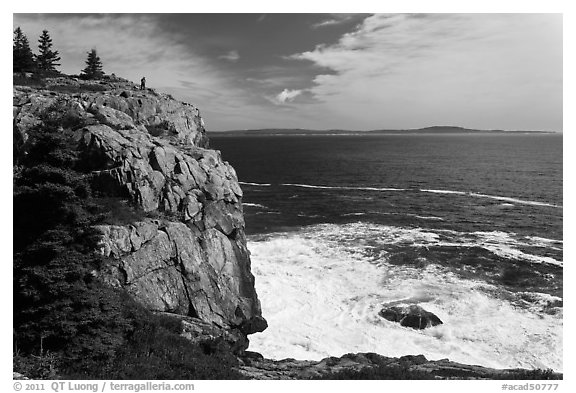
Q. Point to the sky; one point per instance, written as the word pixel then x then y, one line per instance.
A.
pixel 331 71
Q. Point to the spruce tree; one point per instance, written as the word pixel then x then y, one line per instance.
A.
pixel 47 58
pixel 93 68
pixel 23 59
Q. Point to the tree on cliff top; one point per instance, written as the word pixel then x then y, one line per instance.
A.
pixel 23 59
pixel 93 68
pixel 47 58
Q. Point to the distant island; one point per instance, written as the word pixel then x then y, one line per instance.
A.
pixel 425 130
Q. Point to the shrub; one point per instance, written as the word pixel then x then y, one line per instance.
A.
pixel 378 372
pixel 538 374
pixel 33 81
pixel 67 323
pixel 60 116
pixel 43 366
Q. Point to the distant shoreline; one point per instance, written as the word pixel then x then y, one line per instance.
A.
pixel 437 130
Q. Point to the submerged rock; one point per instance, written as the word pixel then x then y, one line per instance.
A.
pixel 412 316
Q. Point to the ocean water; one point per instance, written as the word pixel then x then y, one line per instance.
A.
pixel 467 226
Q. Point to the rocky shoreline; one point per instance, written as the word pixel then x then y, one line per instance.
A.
pixel 187 256
pixel 374 366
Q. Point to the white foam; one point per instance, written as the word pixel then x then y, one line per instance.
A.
pixel 343 187
pixel 254 205
pixel 495 197
pixel 434 191
pixel 544 242
pixel 321 297
pixel 542 301
pixel 514 200
pixel 445 192
pixel 254 184
pixel 500 243
pixel 426 217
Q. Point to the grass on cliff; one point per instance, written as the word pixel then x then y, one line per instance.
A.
pixel 39 81
pixel 67 323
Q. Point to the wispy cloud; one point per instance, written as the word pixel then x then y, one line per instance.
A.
pixel 335 19
pixel 286 96
pixel 132 46
pixel 366 72
pixel 417 70
pixel 232 56
pixel 129 45
pixel 328 22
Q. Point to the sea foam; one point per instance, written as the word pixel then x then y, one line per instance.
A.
pixel 344 187
pixel 254 184
pixel 321 296
pixel 254 205
pixel 434 191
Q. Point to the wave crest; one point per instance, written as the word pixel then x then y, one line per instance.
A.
pixel 331 292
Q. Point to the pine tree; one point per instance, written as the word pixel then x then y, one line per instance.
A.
pixel 23 59
pixel 93 68
pixel 47 58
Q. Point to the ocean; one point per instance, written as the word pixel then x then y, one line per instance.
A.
pixel 467 226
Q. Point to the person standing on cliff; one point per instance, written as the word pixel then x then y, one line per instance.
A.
pixel 143 83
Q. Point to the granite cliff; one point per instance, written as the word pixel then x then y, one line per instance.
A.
pixel 152 150
pixel 185 255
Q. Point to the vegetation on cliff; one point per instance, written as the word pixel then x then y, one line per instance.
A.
pixel 93 68
pixel 101 166
pixel 67 322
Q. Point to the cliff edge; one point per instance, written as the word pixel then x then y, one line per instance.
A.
pixel 181 255
pixel 152 150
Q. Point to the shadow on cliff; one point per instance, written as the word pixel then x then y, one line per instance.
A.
pixel 68 322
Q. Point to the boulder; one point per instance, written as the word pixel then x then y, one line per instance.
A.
pixel 111 117
pixel 412 316
pixel 211 338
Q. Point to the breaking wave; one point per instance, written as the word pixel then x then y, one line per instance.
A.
pixel 344 187
pixel 446 192
pixel 254 205
pixel 332 289
pixel 254 184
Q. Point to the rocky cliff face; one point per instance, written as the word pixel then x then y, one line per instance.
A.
pixel 191 261
pixel 152 150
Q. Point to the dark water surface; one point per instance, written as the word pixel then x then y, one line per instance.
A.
pixel 513 182
pixel 444 212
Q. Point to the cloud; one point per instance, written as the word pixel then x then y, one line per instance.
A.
pixel 477 70
pixel 129 45
pixel 232 56
pixel 483 70
pixel 132 46
pixel 286 96
pixel 328 22
pixel 336 19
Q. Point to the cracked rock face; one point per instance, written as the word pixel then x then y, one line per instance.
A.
pixel 152 150
pixel 172 268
